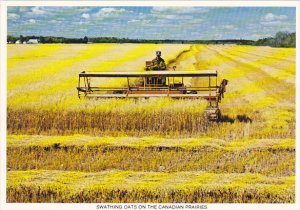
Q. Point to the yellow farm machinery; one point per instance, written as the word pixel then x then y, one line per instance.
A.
pixel 156 83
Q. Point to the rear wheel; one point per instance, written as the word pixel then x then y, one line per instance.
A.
pixel 213 114
pixel 218 115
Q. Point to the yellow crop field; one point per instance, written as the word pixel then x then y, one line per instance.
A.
pixel 64 149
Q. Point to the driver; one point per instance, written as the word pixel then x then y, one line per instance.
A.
pixel 158 62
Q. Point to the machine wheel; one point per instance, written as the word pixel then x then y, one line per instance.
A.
pixel 218 115
pixel 213 114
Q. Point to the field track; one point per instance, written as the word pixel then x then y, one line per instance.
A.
pixel 62 149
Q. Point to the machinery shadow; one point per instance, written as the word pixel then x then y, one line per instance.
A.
pixel 243 118
pixel 240 118
pixel 226 118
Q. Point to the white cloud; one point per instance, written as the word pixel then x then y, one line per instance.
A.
pixel 271 17
pixel 55 21
pixel 13 16
pixel 170 16
pixel 252 26
pixel 32 21
pixel 196 33
pixel 85 9
pixel 192 22
pixel 228 27
pixel 270 20
pixel 133 21
pixel 108 11
pixel 179 10
pixel 271 23
pixel 36 11
pixel 186 17
pixel 181 16
pixel 85 15
pixel 23 9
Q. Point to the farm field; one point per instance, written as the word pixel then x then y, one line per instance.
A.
pixel 62 149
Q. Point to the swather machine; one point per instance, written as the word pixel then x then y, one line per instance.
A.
pixel 158 83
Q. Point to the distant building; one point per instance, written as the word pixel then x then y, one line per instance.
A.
pixel 18 42
pixel 32 41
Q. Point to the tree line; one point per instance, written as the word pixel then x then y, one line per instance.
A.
pixel 281 39
pixel 47 39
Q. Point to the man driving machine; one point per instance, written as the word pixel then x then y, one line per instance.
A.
pixel 157 63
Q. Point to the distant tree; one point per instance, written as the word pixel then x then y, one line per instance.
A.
pixel 281 39
pixel 85 39
pixel 42 39
pixel 11 39
pixel 22 39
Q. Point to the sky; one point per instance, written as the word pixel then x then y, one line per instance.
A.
pixel 187 23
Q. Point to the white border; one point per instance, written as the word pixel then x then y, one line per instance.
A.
pixel 297 184
pixel 3 106
pixel 3 114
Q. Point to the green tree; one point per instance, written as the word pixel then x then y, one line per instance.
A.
pixel 85 39
pixel 22 39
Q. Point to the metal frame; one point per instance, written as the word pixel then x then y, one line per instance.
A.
pixel 202 73
pixel 211 92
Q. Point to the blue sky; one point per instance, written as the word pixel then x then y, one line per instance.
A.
pixel 152 22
